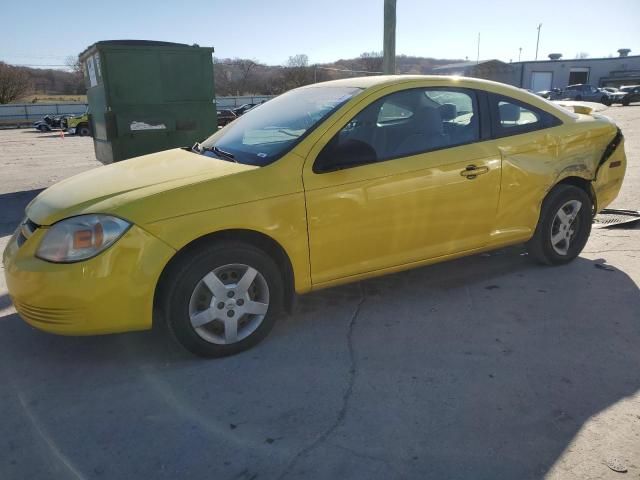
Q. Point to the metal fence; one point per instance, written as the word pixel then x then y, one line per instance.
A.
pixel 232 102
pixel 26 113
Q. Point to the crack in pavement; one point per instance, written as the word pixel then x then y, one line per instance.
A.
pixel 345 396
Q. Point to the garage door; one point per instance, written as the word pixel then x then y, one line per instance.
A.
pixel 541 81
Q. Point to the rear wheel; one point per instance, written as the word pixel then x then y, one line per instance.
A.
pixel 82 130
pixel 223 299
pixel 564 226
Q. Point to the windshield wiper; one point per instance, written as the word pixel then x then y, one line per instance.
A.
pixel 224 154
pixel 198 148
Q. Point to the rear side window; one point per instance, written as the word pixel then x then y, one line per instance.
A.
pixel 513 117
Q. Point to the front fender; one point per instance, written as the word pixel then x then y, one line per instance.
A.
pixel 282 218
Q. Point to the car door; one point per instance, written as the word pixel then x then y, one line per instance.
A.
pixel 405 180
pixel 529 147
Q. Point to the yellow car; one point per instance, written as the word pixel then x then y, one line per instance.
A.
pixel 327 184
pixel 78 125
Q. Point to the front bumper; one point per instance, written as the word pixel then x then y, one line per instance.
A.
pixel 112 292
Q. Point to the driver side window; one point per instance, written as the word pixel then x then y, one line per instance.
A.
pixel 402 124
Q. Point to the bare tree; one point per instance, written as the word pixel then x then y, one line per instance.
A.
pixel 297 72
pixel 14 83
pixel 245 68
pixel 73 63
pixel 298 61
pixel 371 61
pixel 76 83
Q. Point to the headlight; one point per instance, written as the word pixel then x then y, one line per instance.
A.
pixel 79 238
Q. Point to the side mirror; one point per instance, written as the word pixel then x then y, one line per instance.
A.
pixel 345 155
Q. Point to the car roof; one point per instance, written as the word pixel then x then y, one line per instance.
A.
pixel 380 81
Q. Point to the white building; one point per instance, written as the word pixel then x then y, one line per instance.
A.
pixel 554 73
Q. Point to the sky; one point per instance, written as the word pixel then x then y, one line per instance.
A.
pixel 327 30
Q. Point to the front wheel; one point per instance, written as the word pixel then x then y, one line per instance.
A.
pixel 564 226
pixel 223 299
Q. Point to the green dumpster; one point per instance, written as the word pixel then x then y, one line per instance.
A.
pixel 147 96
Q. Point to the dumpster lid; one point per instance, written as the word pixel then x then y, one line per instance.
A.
pixel 136 43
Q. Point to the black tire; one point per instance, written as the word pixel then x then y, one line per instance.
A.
pixel 43 128
pixel 540 246
pixel 625 103
pixel 184 277
pixel 82 130
pixel 605 101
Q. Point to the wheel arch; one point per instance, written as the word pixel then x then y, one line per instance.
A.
pixel 251 237
pixel 584 185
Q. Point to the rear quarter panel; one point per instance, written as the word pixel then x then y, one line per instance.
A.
pixel 533 163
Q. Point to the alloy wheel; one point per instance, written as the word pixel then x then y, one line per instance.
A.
pixel 229 303
pixel 564 226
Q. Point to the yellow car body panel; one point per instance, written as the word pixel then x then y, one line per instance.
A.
pixel 112 292
pixel 73 122
pixel 334 227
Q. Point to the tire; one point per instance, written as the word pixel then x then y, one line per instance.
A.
pixel 542 247
pixel 82 130
pixel 625 103
pixel 190 299
pixel 43 128
pixel 605 101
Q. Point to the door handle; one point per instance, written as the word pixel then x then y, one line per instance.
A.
pixel 472 171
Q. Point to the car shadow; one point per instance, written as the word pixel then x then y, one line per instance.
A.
pixel 492 363
pixel 480 368
pixel 12 207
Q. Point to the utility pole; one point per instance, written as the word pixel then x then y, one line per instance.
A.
pixel 389 40
pixel 538 41
pixel 519 54
pixel 478 55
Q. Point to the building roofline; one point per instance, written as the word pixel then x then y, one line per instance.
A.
pixel 468 64
pixel 560 60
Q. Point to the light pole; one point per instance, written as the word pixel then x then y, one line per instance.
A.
pixel 519 53
pixel 538 41
pixel 389 39
pixel 478 55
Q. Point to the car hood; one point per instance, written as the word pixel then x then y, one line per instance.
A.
pixel 105 189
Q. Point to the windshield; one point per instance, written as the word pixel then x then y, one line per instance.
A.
pixel 265 133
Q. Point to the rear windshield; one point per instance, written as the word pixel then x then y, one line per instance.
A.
pixel 265 133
